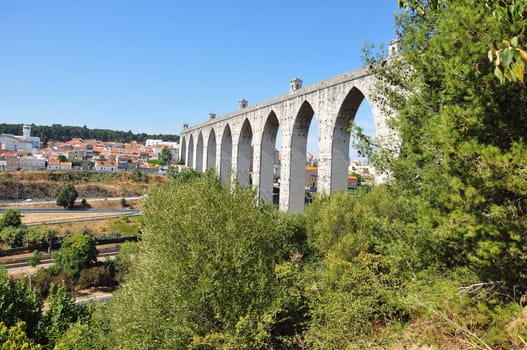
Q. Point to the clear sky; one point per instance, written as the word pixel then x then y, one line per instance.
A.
pixel 152 65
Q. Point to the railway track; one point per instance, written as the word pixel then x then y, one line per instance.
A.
pixel 21 262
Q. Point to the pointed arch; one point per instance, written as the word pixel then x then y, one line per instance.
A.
pixel 340 146
pixel 226 154
pixel 190 161
pixel 268 157
pixel 199 153
pixel 245 152
pixel 183 151
pixel 211 150
pixel 297 166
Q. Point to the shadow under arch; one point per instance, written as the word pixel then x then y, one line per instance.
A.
pixel 245 152
pixel 297 164
pixel 190 161
pixel 226 154
pixel 340 146
pixel 267 158
pixel 183 151
pixel 199 153
pixel 211 150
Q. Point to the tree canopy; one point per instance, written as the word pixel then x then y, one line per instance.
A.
pixel 165 156
pixel 463 153
pixel 11 218
pixel 58 132
pixel 77 252
pixel 67 196
pixel 221 251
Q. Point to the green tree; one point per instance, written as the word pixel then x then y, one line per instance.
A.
pixel 14 236
pixel 77 252
pixel 18 302
pixel 62 158
pixel 35 259
pixel 87 334
pixel 463 151
pixel 183 175
pixel 348 299
pixel 15 337
pixel 221 251
pixel 11 218
pixel 36 236
pixel 62 313
pixel 165 156
pixel 67 196
pixel 137 175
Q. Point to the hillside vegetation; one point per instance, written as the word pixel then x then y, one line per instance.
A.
pixel 45 185
pixel 58 132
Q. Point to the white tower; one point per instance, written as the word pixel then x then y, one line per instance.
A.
pixel 26 132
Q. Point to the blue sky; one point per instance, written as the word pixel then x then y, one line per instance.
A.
pixel 150 66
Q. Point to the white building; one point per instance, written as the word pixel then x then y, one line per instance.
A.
pixel 357 167
pixel 32 163
pixel 20 143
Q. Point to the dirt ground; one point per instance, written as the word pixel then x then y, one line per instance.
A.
pixel 31 218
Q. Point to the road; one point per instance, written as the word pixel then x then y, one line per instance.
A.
pixel 75 211
pixel 23 203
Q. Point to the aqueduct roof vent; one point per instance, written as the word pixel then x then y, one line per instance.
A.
pixel 212 115
pixel 295 84
pixel 394 47
pixel 242 104
pixel 185 126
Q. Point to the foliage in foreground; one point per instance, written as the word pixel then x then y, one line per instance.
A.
pixel 221 251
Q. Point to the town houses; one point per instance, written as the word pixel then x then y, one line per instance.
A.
pixel 24 153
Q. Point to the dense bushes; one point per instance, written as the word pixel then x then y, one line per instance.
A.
pixel 221 251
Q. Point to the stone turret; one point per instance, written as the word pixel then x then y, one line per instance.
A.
pixel 242 104
pixel 295 84
pixel 212 115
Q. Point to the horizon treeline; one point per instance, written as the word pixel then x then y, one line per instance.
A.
pixel 58 132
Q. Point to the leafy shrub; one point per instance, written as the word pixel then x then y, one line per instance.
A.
pixel 350 299
pixel 77 252
pixel 67 196
pixel 97 276
pixel 11 218
pixel 14 236
pixel 35 259
pixel 46 278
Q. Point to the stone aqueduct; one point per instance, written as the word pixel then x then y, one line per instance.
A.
pixel 227 143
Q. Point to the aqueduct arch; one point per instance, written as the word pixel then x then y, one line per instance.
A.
pixel 248 136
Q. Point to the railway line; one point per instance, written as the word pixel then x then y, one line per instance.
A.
pixel 17 263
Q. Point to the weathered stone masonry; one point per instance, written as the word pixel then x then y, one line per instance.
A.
pixel 224 143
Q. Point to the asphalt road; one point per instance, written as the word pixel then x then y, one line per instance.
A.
pixel 22 202
pixel 73 211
